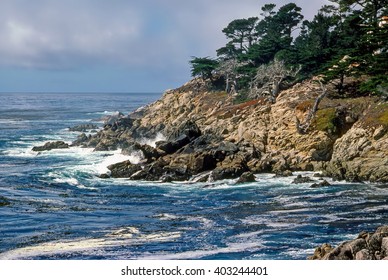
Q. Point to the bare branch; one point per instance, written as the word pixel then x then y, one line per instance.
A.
pixel 303 127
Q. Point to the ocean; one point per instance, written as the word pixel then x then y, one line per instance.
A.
pixel 53 205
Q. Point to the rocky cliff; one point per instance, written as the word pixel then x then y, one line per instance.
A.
pixel 200 130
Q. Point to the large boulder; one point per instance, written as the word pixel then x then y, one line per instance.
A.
pixel 231 167
pixel 302 180
pixel 179 138
pixel 188 129
pixel 123 169
pixel 51 146
pixel 246 177
pixel 360 155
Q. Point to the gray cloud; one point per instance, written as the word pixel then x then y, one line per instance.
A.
pixel 69 42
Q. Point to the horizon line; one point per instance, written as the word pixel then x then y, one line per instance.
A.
pixel 92 92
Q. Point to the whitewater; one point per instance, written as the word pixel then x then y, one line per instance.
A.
pixel 58 208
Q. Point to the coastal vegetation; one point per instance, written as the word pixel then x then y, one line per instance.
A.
pixel 347 39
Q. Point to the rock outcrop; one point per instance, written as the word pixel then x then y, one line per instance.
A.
pixel 51 146
pixel 189 131
pixel 367 246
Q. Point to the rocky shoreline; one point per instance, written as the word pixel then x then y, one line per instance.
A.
pixel 367 246
pixel 191 131
pixel 194 134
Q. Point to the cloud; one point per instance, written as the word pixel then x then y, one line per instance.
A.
pixel 147 43
pixel 73 33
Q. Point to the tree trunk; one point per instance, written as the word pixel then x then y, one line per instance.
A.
pixel 303 127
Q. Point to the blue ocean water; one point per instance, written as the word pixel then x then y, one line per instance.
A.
pixel 59 209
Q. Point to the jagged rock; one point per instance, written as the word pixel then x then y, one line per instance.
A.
pixel 367 246
pixel 232 167
pixel 4 201
pixel 324 183
pixel 151 172
pixel 111 119
pixel 179 138
pixel 81 139
pixel 83 127
pixel 301 180
pixel 320 252
pixel 246 177
pixel 104 176
pixel 151 154
pixel 107 145
pixel 51 146
pixel 360 155
pixel 375 240
pixel 123 169
pixel 188 130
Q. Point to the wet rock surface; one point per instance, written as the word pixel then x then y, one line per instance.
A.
pixel 189 132
pixel 51 146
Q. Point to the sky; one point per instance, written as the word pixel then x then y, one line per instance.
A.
pixel 114 45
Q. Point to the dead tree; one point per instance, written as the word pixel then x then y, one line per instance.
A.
pixel 228 69
pixel 269 78
pixel 302 128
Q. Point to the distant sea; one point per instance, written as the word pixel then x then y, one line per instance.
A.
pixel 54 206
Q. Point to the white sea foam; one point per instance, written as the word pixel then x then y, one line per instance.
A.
pixel 120 237
pixel 189 255
pixel 152 142
pixel 116 157
pixel 167 217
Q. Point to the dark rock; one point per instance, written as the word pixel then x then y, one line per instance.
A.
pixel 151 172
pixel 324 183
pixel 81 139
pixel 285 173
pixel 107 145
pixel 188 129
pixel 51 146
pixel 166 179
pixel 104 176
pixel 301 180
pixel 232 167
pixel 151 154
pixel 167 147
pixel 123 169
pixel 129 147
pixel 4 201
pixel 83 127
pixel 246 177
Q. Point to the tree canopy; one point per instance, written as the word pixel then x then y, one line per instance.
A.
pixel 346 39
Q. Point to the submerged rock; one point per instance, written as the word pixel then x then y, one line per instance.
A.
pixel 324 183
pixel 246 177
pixel 4 201
pixel 51 146
pixel 301 180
